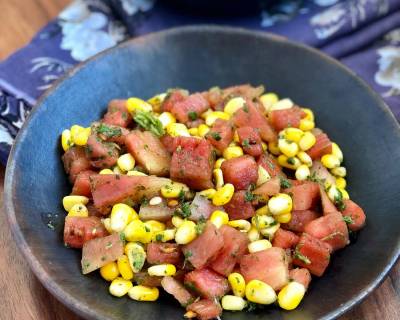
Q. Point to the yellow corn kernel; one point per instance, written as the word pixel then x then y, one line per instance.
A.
pixel 291 162
pixel 119 287
pixel 341 183
pixel 262 221
pixel 177 221
pixel 291 295
pixel 280 204
pixel 260 292
pixel 135 104
pixel 263 176
pixel 126 162
pixel 334 193
pixel 136 256
pixel 70 201
pixel 155 225
pixel 273 148
pixel 203 130
pixel 345 194
pixel 309 114
pixel 136 230
pixel 307 141
pixel 232 152
pixel 186 232
pixel 109 271
pixel 259 245
pixel 106 171
pixel 135 173
pixel 339 172
pixel 66 140
pixel 306 125
pixel 234 105
pixel 264 146
pixel 173 203
pixel 330 161
pixel 268 100
pixel 253 234
pixel 194 131
pixel 208 193
pixel 81 137
pixel 206 113
pixel 166 118
pixel 165 236
pixel 237 283
pixel 233 303
pixel 157 101
pixel 190 315
pixel 224 194
pixel 282 104
pixel 262 211
pixel 124 267
pixel 288 148
pixel 241 224
pixel 161 270
pixel 173 189
pixel 75 129
pixel 218 163
pixel 305 158
pixel 302 172
pixel 142 293
pixel 121 215
pixel 177 130
pixel 236 138
pixel 270 231
pixel 337 152
pixel 78 210
pixel 218 218
pixel 107 224
pixel 213 116
pixel 284 218
pixel 218 178
pixel 117 170
pixel 293 134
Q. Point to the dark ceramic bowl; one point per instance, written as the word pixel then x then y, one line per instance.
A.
pixel 198 58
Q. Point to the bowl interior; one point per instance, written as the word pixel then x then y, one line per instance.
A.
pixel 196 59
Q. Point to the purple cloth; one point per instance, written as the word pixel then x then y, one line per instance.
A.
pixel 363 34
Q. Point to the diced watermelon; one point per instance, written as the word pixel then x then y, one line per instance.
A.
pixel 327 206
pixel 355 213
pixel 205 247
pixel 201 208
pixel 205 309
pixel 269 188
pixel 241 171
pixel 174 96
pixel 101 251
pixel 269 266
pixel 189 108
pixel 144 279
pixel 239 207
pixel 75 161
pixel 93 212
pixel 195 123
pixel 322 146
pixel 117 114
pixel 249 114
pixel 158 253
pixel 331 229
pixel 235 246
pixel 102 154
pixel 312 254
pixel 300 275
pixel 250 139
pixel 214 98
pixel 78 230
pixel 220 134
pixel 82 183
pixel 192 163
pixel 269 163
pixel 207 283
pixel 149 152
pixel 305 196
pixel 176 288
pixel 285 239
pixel 284 118
pixel 244 90
pixel 299 220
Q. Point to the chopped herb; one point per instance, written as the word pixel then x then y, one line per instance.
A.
pixel 146 147
pixel 191 286
pixel 201 224
pixel 186 213
pixel 159 237
pixel 103 258
pixel 246 108
pixel 192 115
pixel 109 245
pixel 181 196
pixel 291 161
pixel 122 237
pixel 248 196
pixel 86 264
pixel 144 202
pixel 338 200
pixel 252 306
pixel 348 220
pixel 301 257
pixel 246 143
pixel 188 254
pixel 149 122
pixel 147 228
pixel 108 132
pixel 285 183
pixel 215 135
pixel 138 261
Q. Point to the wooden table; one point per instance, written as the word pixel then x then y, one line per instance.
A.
pixel 23 297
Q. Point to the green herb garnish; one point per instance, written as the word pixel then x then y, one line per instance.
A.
pixel 108 131
pixel 192 115
pixel 215 135
pixel 246 143
pixel 248 196
pixel 285 183
pixel 301 257
pixel 348 220
pixel 149 122
pixel 201 224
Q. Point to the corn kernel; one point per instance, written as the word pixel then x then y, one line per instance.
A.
pixel 291 295
pixel 236 138
pixel 157 101
pixel 81 137
pixel 155 225
pixel 165 236
pixel 135 104
pixel 260 292
pixel 263 176
pixel 291 162
pixel 136 230
pixel 334 193
pixel 106 171
pixel 330 161
pixel 70 201
pixel 117 170
pixel 119 287
pixel 341 183
pixel 161 270
pixel 282 104
pixel 78 210
pixel 345 194
pixel 233 303
pixel 135 173
pixel 234 105
pixel 237 284
pixel 259 245
pixel 107 224
pixel 306 125
pixel 307 141
pixel 339 172
pixel 206 113
pixel 270 231
pixel 224 194
pixel 66 139
pixel 173 203
pixel 263 221
pixel 213 116
pixel 305 158
pixel 284 218
pixel 232 152
pixel 124 268
pixel 136 256
pixel 273 148
pixel 218 218
pixel 177 130
pixel 126 162
pixel 253 234
pixel 121 215
pixel 208 193
pixel 309 114
pixel 280 204
pixel 75 129
pixel 203 130
pixel 218 163
pixel 293 134
pixel 166 118
pixel 268 100
pixel 186 232
pixel 241 224
pixel 177 221
pixel 337 152
pixel 194 131
pixel 302 172
pixel 109 271
pixel 262 211
pixel 218 178
pixel 288 148
pixel 190 315
pixel 264 146
pixel 142 293
pixel 173 189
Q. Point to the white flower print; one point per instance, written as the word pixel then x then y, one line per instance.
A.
pixel 133 6
pixel 329 21
pixel 388 74
pixel 393 37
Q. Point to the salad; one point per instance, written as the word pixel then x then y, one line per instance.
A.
pixel 228 199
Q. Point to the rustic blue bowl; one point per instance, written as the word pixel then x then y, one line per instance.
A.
pixel 198 58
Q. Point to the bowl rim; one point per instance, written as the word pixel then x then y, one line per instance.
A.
pixel 57 290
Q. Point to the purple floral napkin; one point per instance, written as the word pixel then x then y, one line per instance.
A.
pixel 362 34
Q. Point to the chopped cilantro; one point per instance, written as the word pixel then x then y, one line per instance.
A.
pixel 248 196
pixel 338 201
pixel 159 237
pixel 109 245
pixel 181 196
pixel 246 108
pixel 149 122
pixel 246 143
pixel 138 261
pixel 122 237
pixel 348 220
pixel 192 115
pixel 183 210
pixel 215 135
pixel 301 257
pixel 201 224
pixel 291 160
pixel 108 131
pixel 188 254
pixel 285 183
pixel 144 202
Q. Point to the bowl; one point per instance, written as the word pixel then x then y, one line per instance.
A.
pixel 197 58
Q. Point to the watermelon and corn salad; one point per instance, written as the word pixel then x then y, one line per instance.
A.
pixel 227 199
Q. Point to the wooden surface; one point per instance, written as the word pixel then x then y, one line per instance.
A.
pixel 23 297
